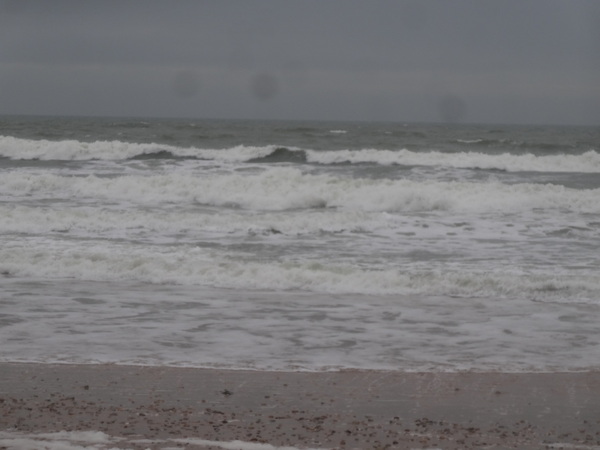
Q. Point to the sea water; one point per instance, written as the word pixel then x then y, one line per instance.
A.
pixel 299 245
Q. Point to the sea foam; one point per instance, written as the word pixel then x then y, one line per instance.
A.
pixel 193 265
pixel 586 162
pixel 284 188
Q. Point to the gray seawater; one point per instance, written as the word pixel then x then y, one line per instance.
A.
pixel 299 245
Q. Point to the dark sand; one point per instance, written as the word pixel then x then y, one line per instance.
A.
pixel 345 410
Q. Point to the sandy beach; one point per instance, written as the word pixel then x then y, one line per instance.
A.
pixel 162 407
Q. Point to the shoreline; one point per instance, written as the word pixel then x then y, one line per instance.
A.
pixel 349 409
pixel 314 370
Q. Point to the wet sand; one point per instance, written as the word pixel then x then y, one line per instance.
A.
pixel 341 410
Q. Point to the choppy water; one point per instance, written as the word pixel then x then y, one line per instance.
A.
pixel 299 245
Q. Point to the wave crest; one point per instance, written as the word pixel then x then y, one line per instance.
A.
pixel 69 150
pixel 285 188
pixel 588 162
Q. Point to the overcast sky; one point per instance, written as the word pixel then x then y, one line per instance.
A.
pixel 503 61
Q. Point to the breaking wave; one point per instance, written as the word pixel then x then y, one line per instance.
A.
pixel 286 188
pixel 587 162
pixel 198 266
pixel 72 150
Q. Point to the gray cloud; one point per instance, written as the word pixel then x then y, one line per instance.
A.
pixel 509 61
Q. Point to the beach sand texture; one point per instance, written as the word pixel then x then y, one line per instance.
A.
pixel 164 407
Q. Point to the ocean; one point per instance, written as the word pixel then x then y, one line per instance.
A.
pixel 299 245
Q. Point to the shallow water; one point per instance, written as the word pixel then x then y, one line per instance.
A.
pixel 95 322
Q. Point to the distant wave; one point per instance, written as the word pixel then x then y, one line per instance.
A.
pixel 536 147
pixel 586 162
pixel 69 150
pixel 72 150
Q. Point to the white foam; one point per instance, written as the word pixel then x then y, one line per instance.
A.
pixel 97 440
pixel 588 162
pixel 282 188
pixel 72 150
pixel 191 265
pixel 67 150
pixel 62 440
pixel 182 224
